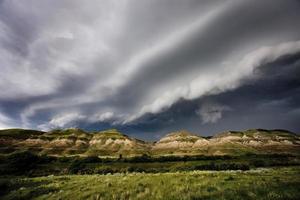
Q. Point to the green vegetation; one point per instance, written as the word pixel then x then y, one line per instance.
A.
pixel 275 183
pixel 29 164
pixel 68 133
pixel 19 133
pixel 109 134
pixel 182 136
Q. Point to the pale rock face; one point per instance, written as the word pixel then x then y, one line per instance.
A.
pixel 279 138
pixel 176 137
pixel 226 139
pixel 220 141
pixel 258 136
pixel 61 143
pixel 218 153
pixel 254 143
pixel 35 142
pixel 125 142
pixel 173 144
pixel 231 138
pixel 108 142
pixel 79 143
pixel 166 139
pixel 95 141
pixel 180 140
pixel 245 137
pixel 200 143
pixel 287 142
pixel 273 142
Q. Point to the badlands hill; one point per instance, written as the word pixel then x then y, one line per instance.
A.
pixel 230 143
pixel 113 143
pixel 71 142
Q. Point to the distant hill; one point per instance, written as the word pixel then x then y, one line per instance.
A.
pixel 114 143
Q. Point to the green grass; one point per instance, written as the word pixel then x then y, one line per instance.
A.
pixel 277 183
pixel 109 134
pixel 68 133
pixel 19 133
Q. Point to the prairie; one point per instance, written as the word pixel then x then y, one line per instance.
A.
pixel 260 183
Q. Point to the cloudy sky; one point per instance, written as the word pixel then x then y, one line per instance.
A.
pixel 148 67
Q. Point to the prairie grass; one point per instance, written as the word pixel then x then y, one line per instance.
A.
pixel 264 183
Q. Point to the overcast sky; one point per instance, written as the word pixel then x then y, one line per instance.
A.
pixel 148 67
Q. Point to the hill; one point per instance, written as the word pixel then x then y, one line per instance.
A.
pixel 112 142
pixel 181 142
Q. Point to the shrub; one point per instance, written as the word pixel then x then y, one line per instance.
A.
pixel 77 166
pixel 139 159
pixel 105 170
pixel 135 169
pixel 91 159
pixel 258 163
pixel 21 162
pixel 4 185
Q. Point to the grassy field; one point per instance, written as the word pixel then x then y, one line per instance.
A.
pixel 264 183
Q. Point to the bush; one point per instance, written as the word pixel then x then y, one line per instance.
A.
pixel 77 167
pixel 258 163
pixel 4 185
pixel 21 162
pixel 91 159
pixel 139 159
pixel 105 170
pixel 135 169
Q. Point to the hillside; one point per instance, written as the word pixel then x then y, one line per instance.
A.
pixel 114 143
pixel 181 142
pixel 71 142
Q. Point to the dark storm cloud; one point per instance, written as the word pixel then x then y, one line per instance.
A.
pixel 271 100
pixel 206 45
pixel 147 66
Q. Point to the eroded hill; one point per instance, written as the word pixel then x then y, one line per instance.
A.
pixel 114 143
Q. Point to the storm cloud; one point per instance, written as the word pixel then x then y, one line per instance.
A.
pixel 148 67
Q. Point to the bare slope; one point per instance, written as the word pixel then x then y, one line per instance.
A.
pixel 181 142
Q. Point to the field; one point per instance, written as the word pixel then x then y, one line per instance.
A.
pixel 263 183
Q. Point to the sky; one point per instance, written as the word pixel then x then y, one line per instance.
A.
pixel 149 67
